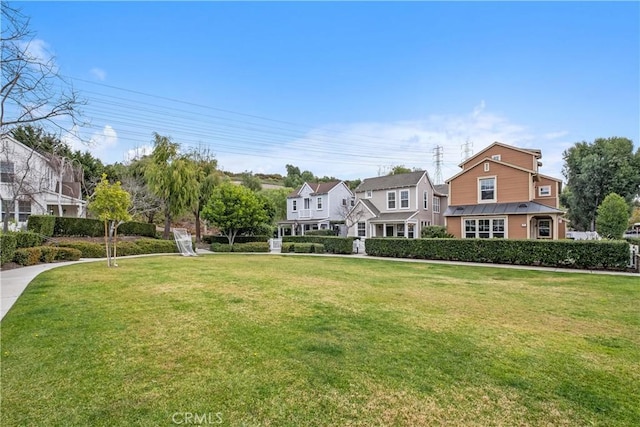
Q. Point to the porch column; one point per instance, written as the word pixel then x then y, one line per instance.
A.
pixel 406 230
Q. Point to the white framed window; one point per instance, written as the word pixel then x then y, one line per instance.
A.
pixel 411 231
pixel 425 224
pixel 294 205
pixel 544 190
pixel 353 202
pixel 319 204
pixel 399 230
pixel 487 190
pixel 391 199
pixel 404 199
pixel 368 194
pixel 496 157
pixel 7 171
pixel 425 200
pixel 8 208
pixel 484 228
pixel 486 166
pixel 344 202
pixel 544 228
pixel 436 204
pixel 307 203
pixel 24 210
pixel 362 229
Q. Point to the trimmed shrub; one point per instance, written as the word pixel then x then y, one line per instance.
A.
pixel 28 256
pixel 142 246
pixel 28 239
pixel 332 244
pixel 320 233
pixel 154 246
pixel 7 247
pixel 87 249
pixel 309 248
pixel 48 253
pixel 239 239
pixel 41 224
pixel 287 247
pixel 137 229
pixel 251 247
pixel 435 232
pixel 66 226
pixel 551 253
pixel 220 247
pixel 67 254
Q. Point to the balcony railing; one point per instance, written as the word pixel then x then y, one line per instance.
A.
pixel 305 213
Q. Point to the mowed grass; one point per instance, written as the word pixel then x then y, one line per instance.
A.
pixel 270 340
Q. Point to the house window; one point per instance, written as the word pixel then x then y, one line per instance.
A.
pixel 391 200
pixel 544 228
pixel 404 199
pixel 484 228
pixel 487 189
pixel 425 224
pixel 362 229
pixel 436 204
pixel 8 208
pixel 496 157
pixel 319 203
pixel 368 194
pixel 411 231
pixel 400 230
pixel 486 167
pixel 344 202
pixel 544 190
pixel 294 205
pixel 7 171
pixel 307 203
pixel 425 200
pixel 353 202
pixel 24 210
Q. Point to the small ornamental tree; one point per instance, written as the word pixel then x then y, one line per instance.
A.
pixel 110 203
pixel 613 217
pixel 233 208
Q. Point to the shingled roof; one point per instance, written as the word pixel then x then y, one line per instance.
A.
pixel 391 181
pixel 316 188
pixel 501 209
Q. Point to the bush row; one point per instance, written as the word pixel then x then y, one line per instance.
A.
pixel 332 244
pixel 320 233
pixel 583 254
pixel 7 247
pixel 37 254
pixel 239 239
pixel 49 226
pixel 241 247
pixel 303 248
pixel 139 247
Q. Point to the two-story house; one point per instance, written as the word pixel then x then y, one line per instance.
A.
pixel 397 206
pixel 32 183
pixel 501 193
pixel 317 206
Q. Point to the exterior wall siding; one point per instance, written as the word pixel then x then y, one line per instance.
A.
pixel 515 228
pixel 553 200
pixel 507 155
pixel 513 185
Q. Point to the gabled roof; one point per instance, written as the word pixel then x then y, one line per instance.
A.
pixel 393 216
pixel 501 209
pixel 488 159
pixel 536 152
pixel 316 188
pixel 391 181
pixel 441 189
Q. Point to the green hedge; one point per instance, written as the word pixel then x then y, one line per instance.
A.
pixel 241 247
pixel 239 239
pixel 583 254
pixel 41 224
pixel 320 233
pixel 7 247
pixel 28 239
pixel 47 254
pixel 66 226
pixel 332 244
pixel 303 248
pixel 139 247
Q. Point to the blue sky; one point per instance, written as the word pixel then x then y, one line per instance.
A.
pixel 346 89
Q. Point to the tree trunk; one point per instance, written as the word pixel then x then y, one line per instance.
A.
pixel 106 242
pixel 167 226
pixel 115 243
pixel 198 237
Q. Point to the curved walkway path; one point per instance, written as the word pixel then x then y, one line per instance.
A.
pixel 13 282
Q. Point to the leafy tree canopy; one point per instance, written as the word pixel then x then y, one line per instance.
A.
pixel 594 170
pixel 613 217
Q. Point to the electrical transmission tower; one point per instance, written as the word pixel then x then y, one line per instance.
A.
pixel 467 149
pixel 437 161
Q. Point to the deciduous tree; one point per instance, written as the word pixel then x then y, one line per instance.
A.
pixel 613 217
pixel 594 170
pixel 110 203
pixel 233 208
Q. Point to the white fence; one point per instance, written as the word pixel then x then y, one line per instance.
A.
pixel 275 245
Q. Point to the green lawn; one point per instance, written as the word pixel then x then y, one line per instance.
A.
pixel 270 340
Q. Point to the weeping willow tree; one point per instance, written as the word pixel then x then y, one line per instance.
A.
pixel 173 178
pixel 110 203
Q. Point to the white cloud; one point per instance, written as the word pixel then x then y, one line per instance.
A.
pixel 107 138
pixel 137 153
pixel 36 50
pixel 98 73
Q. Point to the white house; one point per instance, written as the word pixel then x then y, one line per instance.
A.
pixel 36 184
pixel 397 206
pixel 317 206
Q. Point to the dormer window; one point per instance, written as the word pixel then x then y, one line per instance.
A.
pixel 495 157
